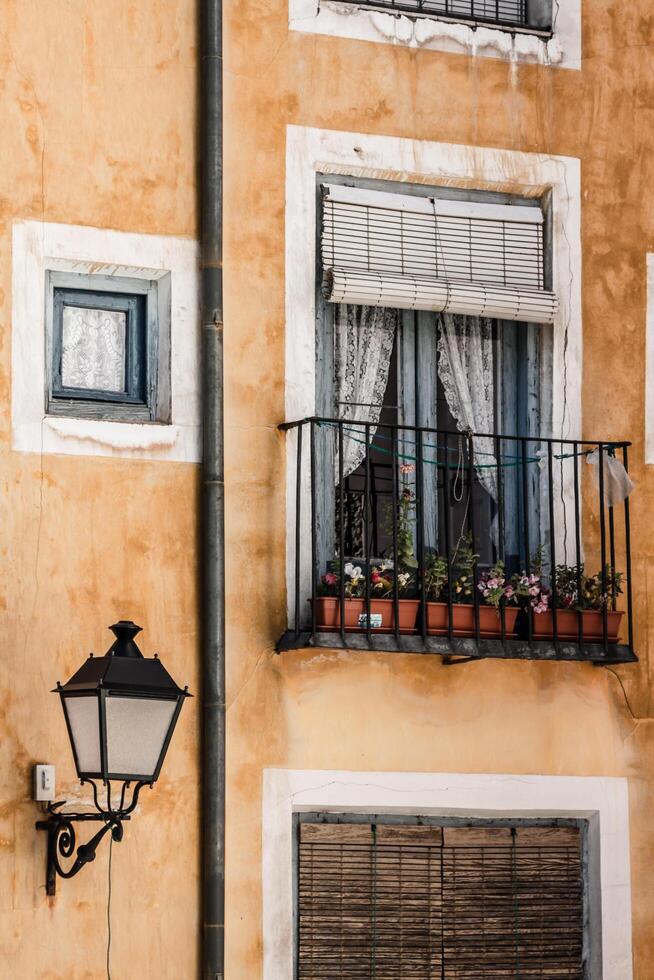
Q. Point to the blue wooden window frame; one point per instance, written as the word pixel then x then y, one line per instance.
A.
pixel 136 359
pixel 147 304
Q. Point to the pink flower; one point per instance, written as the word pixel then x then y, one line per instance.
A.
pixel 375 578
pixel 407 467
pixel 330 579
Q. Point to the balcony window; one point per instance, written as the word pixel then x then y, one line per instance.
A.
pixel 526 15
pixel 434 507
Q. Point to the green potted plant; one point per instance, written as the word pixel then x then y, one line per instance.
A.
pixel 404 534
pixel 499 600
pixel 492 587
pixel 382 600
pixel 581 600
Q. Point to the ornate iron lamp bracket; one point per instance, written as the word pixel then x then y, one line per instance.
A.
pixel 62 838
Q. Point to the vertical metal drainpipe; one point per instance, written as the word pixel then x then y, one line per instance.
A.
pixel 213 495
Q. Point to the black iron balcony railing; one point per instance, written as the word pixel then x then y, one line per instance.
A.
pixel 507 14
pixel 467 545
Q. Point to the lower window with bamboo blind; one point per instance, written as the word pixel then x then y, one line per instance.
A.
pixel 430 900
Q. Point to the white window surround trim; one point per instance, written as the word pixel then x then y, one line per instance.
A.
pixel 649 363
pixel 310 151
pixel 346 20
pixel 42 246
pixel 602 800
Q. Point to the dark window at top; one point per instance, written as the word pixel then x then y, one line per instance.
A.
pixel 519 14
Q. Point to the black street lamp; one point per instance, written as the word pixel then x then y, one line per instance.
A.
pixel 121 710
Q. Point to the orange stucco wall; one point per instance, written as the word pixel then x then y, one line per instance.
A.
pixel 98 110
pixel 370 712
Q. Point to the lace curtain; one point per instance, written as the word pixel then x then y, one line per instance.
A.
pixel 465 348
pixel 363 344
pixel 93 349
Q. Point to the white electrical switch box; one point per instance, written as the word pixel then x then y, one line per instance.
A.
pixel 44 783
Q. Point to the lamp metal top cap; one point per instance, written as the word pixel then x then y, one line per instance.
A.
pixel 124 645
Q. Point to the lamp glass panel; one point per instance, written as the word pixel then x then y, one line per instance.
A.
pixel 85 730
pixel 136 731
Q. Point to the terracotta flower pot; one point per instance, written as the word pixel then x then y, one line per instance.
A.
pixel 592 624
pixel 463 620
pixel 328 613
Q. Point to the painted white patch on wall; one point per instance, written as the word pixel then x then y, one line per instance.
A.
pixel 39 247
pixel 649 363
pixel 562 50
pixel 311 151
pixel 601 800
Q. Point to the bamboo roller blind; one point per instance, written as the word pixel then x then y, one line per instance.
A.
pixel 381 249
pixel 389 902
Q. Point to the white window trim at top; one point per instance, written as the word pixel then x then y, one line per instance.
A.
pixel 602 800
pixel 649 363
pixel 346 20
pixel 312 151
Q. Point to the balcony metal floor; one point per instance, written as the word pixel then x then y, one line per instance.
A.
pixel 459 649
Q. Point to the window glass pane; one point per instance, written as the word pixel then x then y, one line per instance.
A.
pixel 93 349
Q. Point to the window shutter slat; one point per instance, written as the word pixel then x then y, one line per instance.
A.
pixel 512 907
pixel 381 249
pixel 369 905
pixel 335 833
pixel 385 901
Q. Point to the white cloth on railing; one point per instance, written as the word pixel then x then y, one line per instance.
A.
pixel 465 366
pixel 617 482
pixel 363 345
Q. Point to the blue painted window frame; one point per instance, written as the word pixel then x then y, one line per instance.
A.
pixel 136 360
pixel 147 301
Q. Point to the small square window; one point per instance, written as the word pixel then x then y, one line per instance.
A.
pixel 107 351
pixel 99 346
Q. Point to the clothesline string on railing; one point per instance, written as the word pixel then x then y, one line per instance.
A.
pixel 441 465
pixel 517 460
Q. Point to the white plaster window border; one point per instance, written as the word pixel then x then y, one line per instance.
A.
pixel 310 151
pixel 39 247
pixel 649 363
pixel 346 20
pixel 601 800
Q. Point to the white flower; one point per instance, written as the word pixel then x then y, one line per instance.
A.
pixel 386 565
pixel 351 571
